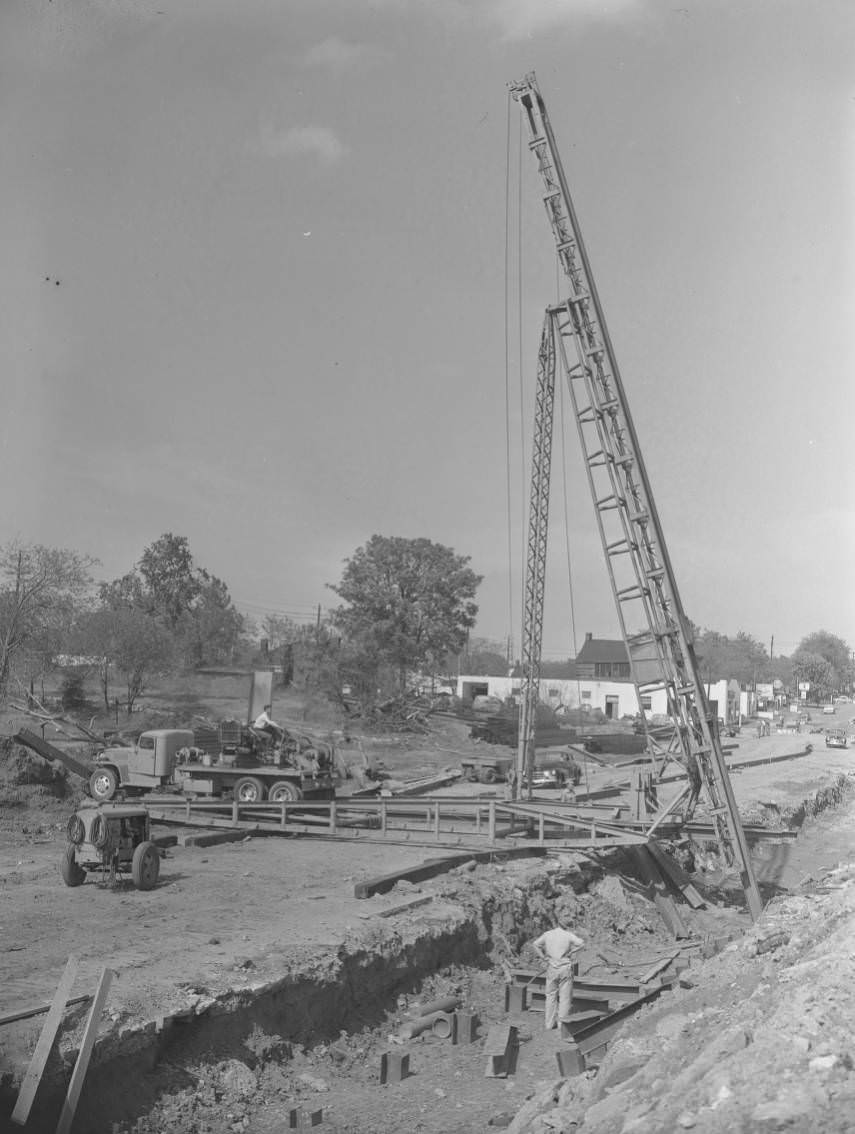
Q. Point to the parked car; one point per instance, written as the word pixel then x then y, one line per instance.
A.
pixel 835 738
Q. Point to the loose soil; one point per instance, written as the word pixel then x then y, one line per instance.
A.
pixel 294 986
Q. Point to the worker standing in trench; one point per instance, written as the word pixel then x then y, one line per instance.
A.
pixel 556 947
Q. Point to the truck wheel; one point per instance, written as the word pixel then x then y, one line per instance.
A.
pixel 72 874
pixel 283 791
pixel 249 790
pixel 103 784
pixel 145 866
pixel 487 775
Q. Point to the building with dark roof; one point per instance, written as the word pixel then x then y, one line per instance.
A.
pixel 603 659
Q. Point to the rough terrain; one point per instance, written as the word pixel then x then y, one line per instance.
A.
pixel 295 986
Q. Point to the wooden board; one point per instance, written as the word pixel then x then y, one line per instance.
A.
pixel 49 751
pixel 677 876
pixel 75 1086
pixel 432 867
pixel 33 1077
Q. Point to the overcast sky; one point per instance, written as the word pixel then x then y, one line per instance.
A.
pixel 253 288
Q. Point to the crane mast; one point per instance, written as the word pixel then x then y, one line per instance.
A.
pixel 650 613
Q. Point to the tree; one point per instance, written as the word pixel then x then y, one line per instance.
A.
pixel 816 670
pixel 833 650
pixel 171 579
pixel 409 602
pixel 42 590
pixel 279 631
pixel 742 658
pixel 194 606
pixel 132 642
pixel 212 628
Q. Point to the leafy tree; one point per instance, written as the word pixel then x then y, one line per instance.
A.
pixel 742 657
pixel 72 692
pixel 816 669
pixel 212 628
pixel 42 590
pixel 279 630
pixel 561 670
pixel 834 650
pixel 171 580
pixel 409 602
pixel 194 606
pixel 132 642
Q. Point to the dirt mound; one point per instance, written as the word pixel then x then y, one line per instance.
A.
pixel 35 797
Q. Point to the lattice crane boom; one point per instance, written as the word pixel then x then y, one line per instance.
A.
pixel 650 612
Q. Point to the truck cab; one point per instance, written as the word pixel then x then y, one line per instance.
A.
pixel 150 763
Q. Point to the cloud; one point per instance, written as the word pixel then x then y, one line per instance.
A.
pixel 320 141
pixel 339 55
pixel 522 19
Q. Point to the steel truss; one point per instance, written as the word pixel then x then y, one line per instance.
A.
pixel 652 620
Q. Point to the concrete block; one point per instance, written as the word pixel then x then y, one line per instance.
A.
pixel 212 838
pixel 464 1027
pixel 394 1066
pixel 300 1119
pixel 516 998
pixel 501 1047
pixel 571 1061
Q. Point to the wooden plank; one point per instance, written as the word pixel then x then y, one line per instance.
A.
pixel 26 1013
pixel 659 966
pixel 670 915
pixel 667 910
pixel 677 876
pixel 75 1086
pixel 430 868
pixel 395 910
pixel 33 1077
pixel 49 751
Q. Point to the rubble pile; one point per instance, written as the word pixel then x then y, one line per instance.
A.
pixel 758 1039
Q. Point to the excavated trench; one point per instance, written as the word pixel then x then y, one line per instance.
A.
pixel 238 1061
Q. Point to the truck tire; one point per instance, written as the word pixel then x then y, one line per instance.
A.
pixel 103 784
pixel 72 874
pixel 248 789
pixel 145 866
pixel 283 791
pixel 487 775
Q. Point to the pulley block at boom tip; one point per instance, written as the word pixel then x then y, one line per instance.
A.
pixel 642 579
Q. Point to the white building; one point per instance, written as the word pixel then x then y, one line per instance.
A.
pixel 615 699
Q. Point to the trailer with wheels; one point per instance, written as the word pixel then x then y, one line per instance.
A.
pixel 111 838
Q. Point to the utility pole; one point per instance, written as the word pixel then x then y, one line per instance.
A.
pixel 772 649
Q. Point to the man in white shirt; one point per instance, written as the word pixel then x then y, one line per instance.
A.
pixel 264 723
pixel 556 948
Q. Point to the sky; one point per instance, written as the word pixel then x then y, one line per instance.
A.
pixel 274 272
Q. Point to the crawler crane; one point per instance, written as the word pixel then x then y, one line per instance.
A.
pixel 651 616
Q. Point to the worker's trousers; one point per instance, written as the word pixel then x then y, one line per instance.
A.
pixel 559 992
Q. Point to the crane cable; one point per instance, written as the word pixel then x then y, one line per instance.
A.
pixel 508 381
